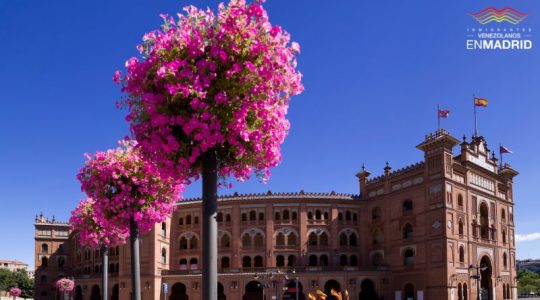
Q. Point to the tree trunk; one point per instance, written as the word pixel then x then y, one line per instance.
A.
pixel 209 222
pixel 135 264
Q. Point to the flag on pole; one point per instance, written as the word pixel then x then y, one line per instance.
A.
pixel 483 102
pixel 503 150
pixel 444 113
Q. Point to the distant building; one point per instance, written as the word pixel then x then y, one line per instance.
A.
pixel 13 265
pixel 529 264
pixel 411 233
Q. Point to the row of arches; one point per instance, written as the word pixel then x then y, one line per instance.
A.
pixel 254 290
pixel 188 220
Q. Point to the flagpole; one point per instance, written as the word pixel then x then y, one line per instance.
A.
pixel 438 117
pixel 475 122
pixel 500 155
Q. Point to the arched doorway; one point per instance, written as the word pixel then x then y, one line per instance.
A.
pixel 179 292
pixel 367 290
pixel 96 293
pixel 408 292
pixel 486 284
pixel 78 293
pixel 290 294
pixel 115 292
pixel 253 291
pixel 221 292
pixel 329 286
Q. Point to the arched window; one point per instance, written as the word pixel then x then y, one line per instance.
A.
pixel 377 259
pixel 323 260
pixel 353 241
pixel 408 257
pixel 246 262
pixel 377 237
pixel 376 214
pixel 286 215
pixel 353 260
pixel 343 239
pixel 503 214
pixel 163 256
pixel 325 215
pixel 505 260
pixel 183 243
pixel 504 236
pixel 318 214
pixel 258 261
pixel 226 241
pixel 313 260
pixel 183 264
pixel 277 216
pixel 246 240
pixel 407 205
pixel 193 243
pixel 484 221
pixel 294 216
pixel 465 292
pixel 408 231
pixel 261 216
pixel 252 215
pixel 280 239
pixel 193 263
pixel 244 217
pixel 280 261
pixel 225 262
pixel 220 217
pixel 460 200
pixel 310 216
pixel 228 218
pixel 340 216
pixel 343 260
pixel 291 261
pixel 291 239
pixel 312 239
pixel 44 262
pixel 460 227
pixel 460 291
pixel 188 219
pixel 461 254
pixel 258 240
pixel 180 221
pixel 347 216
pixel 163 229
pixel 323 239
pixel 44 248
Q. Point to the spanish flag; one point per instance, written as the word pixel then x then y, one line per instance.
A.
pixel 480 102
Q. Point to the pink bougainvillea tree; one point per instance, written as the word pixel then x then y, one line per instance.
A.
pixel 218 81
pixel 15 292
pixel 92 231
pixel 125 187
pixel 65 285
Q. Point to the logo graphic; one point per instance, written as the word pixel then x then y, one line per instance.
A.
pixel 491 14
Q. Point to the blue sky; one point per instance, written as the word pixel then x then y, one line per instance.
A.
pixel 374 72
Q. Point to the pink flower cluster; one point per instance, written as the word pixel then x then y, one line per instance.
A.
pixel 92 232
pixel 212 81
pixel 124 186
pixel 15 292
pixel 65 285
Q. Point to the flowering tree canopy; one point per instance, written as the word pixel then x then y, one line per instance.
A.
pixel 15 292
pixel 65 285
pixel 124 186
pixel 91 232
pixel 213 81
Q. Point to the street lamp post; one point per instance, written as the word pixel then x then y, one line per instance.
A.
pixel 477 277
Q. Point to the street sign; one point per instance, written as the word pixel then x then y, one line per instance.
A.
pixel 165 288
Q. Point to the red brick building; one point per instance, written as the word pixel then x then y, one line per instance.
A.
pixel 411 233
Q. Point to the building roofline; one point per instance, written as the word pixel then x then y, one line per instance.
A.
pixel 274 196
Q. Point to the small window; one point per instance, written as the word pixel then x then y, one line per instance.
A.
pixel 280 239
pixel 408 257
pixel 163 256
pixel 163 229
pixel 244 217
pixel 246 262
pixel 225 262
pixel 310 216
pixel 460 227
pixel 44 248
pixel 408 232
pixel 407 206
pixel 246 240
pixel 347 216
pixel 460 200
pixel 291 239
pixel 280 261
pixel 294 216
pixel 188 219
pixel 228 218
pixel 196 220
pixel 277 216
pixel 220 217
pixel 323 239
pixel 461 254
pixel 286 215
pixel 252 215
pixel 291 261
pixel 261 216
pixel 312 239
pixel 376 214
pixel 318 214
